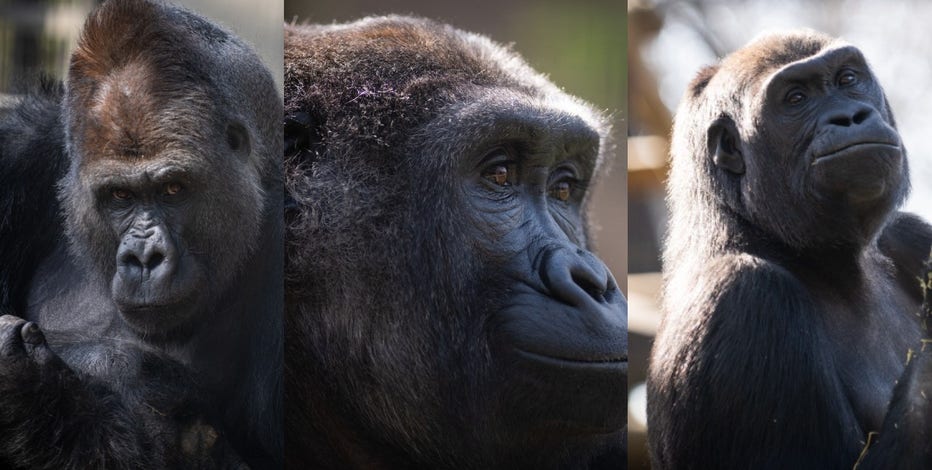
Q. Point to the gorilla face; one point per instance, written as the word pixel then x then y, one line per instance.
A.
pixel 815 141
pixel 558 327
pixel 442 302
pixel 834 111
pixel 148 201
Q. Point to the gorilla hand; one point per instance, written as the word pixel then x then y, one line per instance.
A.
pixel 26 362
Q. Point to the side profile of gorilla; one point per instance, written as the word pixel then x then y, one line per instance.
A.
pixel 793 336
pixel 141 228
pixel 442 307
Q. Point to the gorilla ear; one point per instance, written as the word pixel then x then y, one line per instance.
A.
pixel 723 144
pixel 301 132
pixel 238 139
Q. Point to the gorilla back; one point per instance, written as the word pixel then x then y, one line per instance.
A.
pixel 170 197
pixel 791 283
pixel 443 310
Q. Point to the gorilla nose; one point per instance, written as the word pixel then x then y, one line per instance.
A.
pixel 847 116
pixel 141 258
pixel 577 277
pixel 147 260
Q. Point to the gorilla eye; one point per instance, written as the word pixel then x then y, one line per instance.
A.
pixel 500 169
pixel 172 189
pixel 121 194
pixel 847 78
pixel 561 190
pixel 498 174
pixel 795 97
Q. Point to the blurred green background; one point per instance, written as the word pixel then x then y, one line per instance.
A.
pixel 580 45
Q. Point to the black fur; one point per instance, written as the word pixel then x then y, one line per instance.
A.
pixel 791 282
pixel 32 155
pixel 413 281
pixel 124 380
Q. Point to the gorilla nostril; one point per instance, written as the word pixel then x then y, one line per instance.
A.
pixel 130 260
pixel 842 121
pixel 861 116
pixel 154 261
pixel 576 277
pixel 595 289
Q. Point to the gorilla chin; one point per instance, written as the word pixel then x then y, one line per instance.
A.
pixel 571 360
pixel 588 397
pixel 866 173
pixel 582 397
pixel 150 307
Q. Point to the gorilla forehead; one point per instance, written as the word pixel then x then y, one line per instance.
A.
pixel 129 120
pixel 747 68
pixel 371 83
pixel 175 43
pixel 543 126
pixel 168 73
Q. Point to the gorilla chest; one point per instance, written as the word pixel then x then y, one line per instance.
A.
pixel 868 342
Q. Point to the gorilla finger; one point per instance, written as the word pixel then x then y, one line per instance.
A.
pixel 32 334
pixel 9 320
pixel 10 341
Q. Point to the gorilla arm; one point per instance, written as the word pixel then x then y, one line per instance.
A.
pixel 55 417
pixel 907 239
pixel 783 378
pixel 32 160
pixel 906 432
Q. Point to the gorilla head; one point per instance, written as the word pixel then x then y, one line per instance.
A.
pixel 443 309
pixel 803 116
pixel 168 128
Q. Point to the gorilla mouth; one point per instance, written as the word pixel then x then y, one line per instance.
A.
pixel 619 362
pixel 855 147
pixel 160 315
pixel 149 307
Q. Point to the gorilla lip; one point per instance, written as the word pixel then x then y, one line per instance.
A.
pixel 613 362
pixel 151 308
pixel 856 146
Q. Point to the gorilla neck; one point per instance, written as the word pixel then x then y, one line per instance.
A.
pixel 239 350
pixel 846 232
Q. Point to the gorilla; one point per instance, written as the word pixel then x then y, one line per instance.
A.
pixel 442 307
pixel 141 227
pixel 793 336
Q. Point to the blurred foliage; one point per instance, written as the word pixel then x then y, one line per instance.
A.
pixel 580 45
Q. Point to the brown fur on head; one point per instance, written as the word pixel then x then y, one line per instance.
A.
pixel 134 85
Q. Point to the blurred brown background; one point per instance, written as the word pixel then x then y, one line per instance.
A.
pixel 579 45
pixel 37 36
